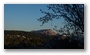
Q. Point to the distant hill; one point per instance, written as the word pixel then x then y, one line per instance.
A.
pixel 40 39
pixel 49 32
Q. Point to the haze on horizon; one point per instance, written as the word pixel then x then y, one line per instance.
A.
pixel 24 17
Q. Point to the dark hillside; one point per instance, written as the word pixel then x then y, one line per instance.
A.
pixel 33 40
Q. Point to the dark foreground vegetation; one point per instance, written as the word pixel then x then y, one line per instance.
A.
pixel 31 40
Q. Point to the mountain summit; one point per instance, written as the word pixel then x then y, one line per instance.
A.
pixel 46 32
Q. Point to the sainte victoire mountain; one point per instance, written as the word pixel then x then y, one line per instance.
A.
pixel 46 32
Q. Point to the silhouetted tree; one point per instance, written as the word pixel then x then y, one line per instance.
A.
pixel 73 14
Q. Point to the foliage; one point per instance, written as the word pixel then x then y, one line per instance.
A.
pixel 73 14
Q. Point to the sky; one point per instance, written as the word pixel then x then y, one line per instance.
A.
pixel 24 17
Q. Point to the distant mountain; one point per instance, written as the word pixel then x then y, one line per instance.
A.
pixel 46 32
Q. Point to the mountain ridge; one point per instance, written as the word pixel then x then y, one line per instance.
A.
pixel 49 32
pixel 46 32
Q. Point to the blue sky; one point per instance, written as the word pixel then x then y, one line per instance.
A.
pixel 24 17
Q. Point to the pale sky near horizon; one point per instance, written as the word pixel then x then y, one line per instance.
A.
pixel 24 17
